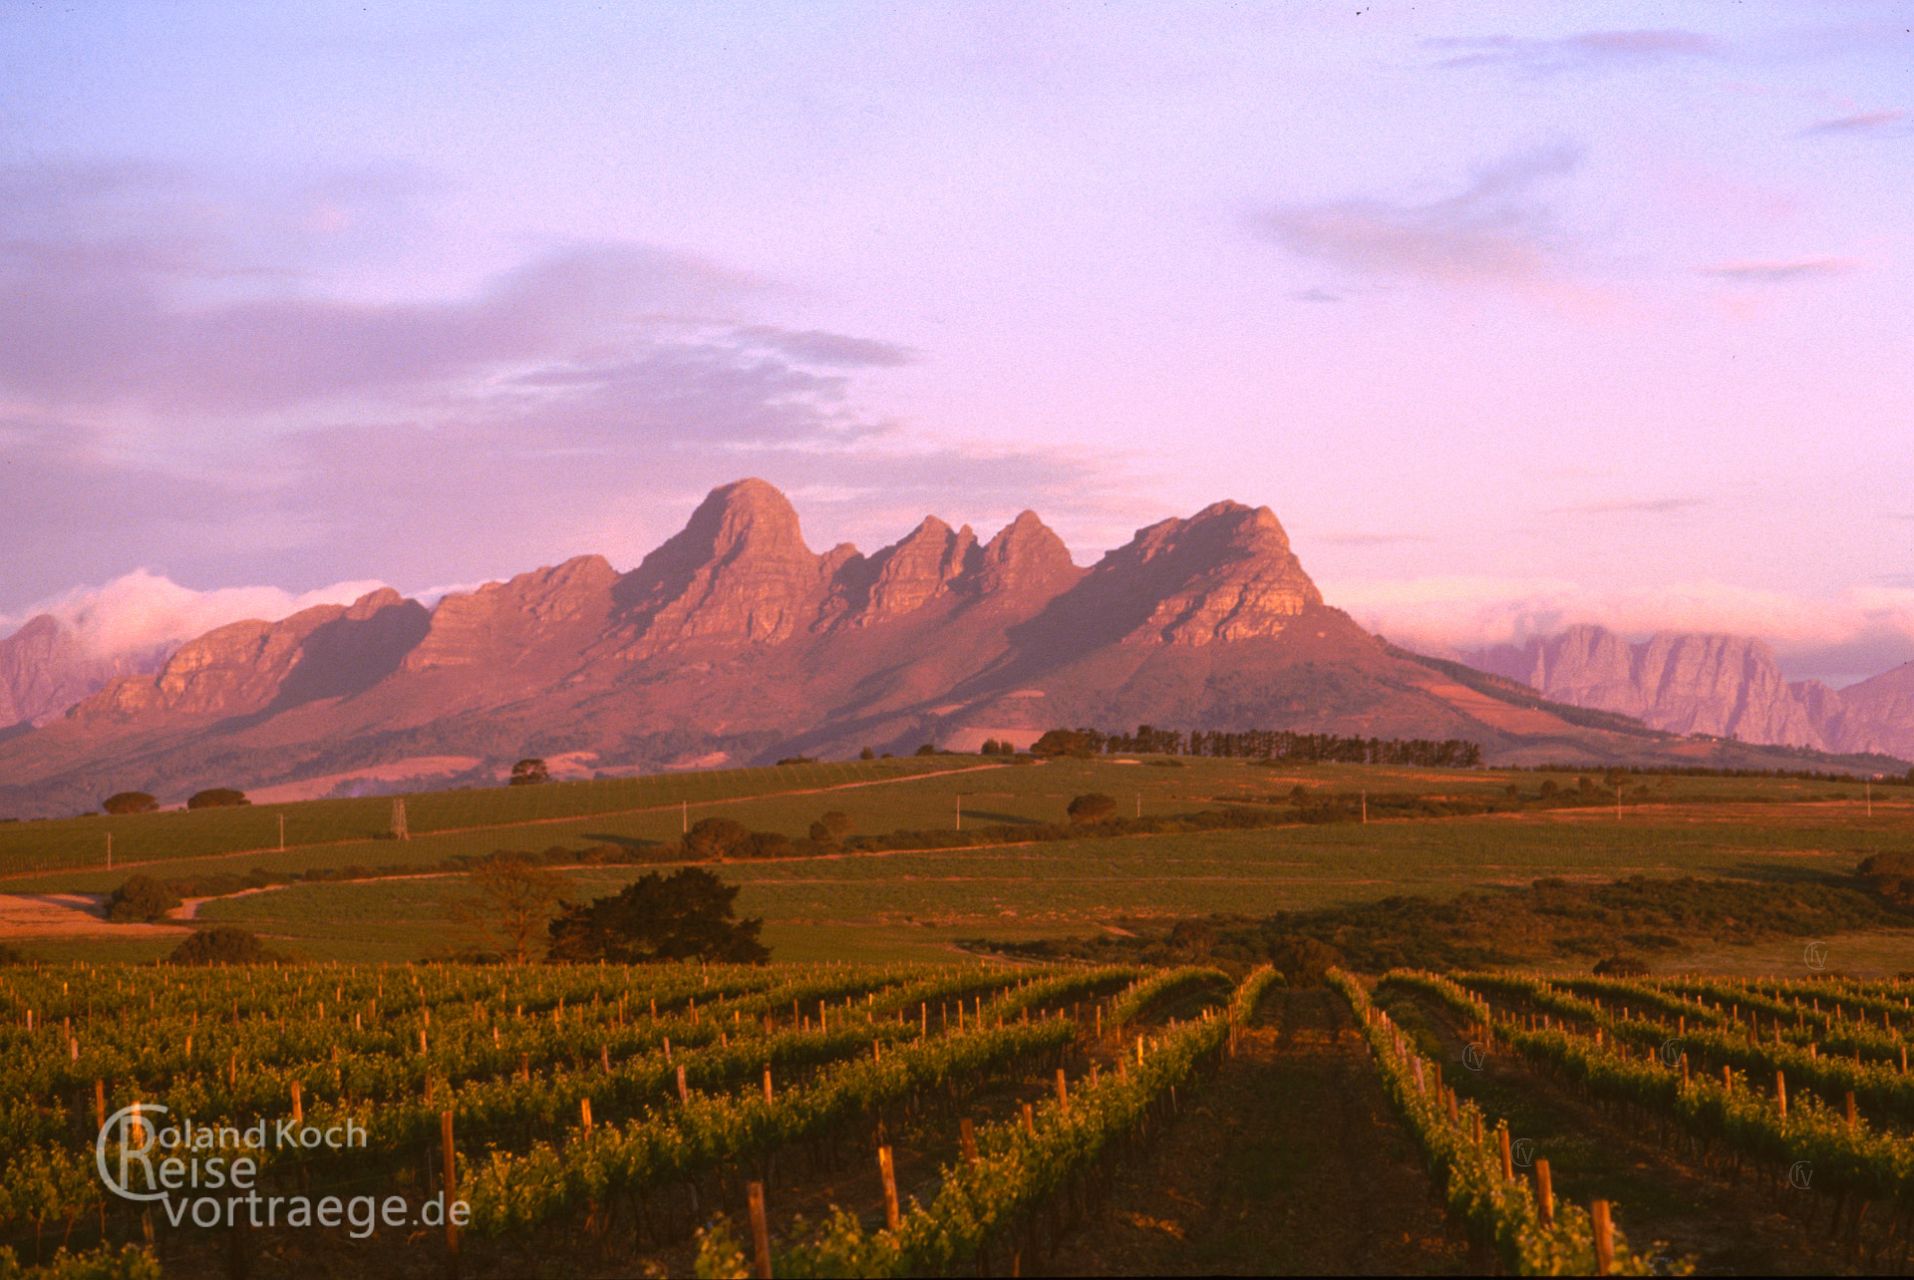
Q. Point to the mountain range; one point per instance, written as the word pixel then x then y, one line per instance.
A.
pixel 1724 685
pixel 735 642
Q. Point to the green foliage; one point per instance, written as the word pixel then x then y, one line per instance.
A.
pixel 1064 742
pixel 928 749
pixel 222 944
pixel 715 839
pixel 1891 875
pixel 217 798
pixel 141 899
pixel 129 802
pixel 832 827
pixel 530 772
pixel 1093 807
pixel 686 916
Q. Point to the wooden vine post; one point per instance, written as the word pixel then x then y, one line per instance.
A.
pixel 889 1173
pixel 760 1233
pixel 448 1189
pixel 1604 1239
pixel 1544 1193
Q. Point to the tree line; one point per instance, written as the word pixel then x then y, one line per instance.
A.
pixel 1264 744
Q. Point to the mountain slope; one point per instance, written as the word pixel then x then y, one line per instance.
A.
pixel 1721 685
pixel 735 641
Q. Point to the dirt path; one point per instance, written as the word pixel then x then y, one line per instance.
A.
pixel 1661 1196
pixel 1289 1162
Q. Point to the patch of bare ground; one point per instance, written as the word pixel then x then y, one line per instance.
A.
pixel 1668 1199
pixel 1288 1162
pixel 65 915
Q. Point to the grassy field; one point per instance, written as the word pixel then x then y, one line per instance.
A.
pixel 648 813
pixel 916 905
pixel 920 904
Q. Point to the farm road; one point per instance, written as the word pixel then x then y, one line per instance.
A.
pixel 1289 1162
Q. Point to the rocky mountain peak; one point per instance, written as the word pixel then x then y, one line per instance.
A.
pixel 1225 573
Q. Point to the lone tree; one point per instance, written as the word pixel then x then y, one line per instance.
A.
pixel 686 916
pixel 140 899
pixel 129 802
pixel 530 771
pixel 217 798
pixel 1094 807
pixel 513 902
pixel 1064 742
pixel 222 944
pixel 831 828
pixel 715 839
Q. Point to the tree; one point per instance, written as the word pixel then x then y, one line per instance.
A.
pixel 1063 742
pixel 868 754
pixel 715 839
pixel 928 749
pixel 686 916
pixel 217 798
pixel 831 828
pixel 222 944
pixel 1304 961
pixel 129 802
pixel 1094 807
pixel 1620 966
pixel 513 902
pixel 140 899
pixel 530 771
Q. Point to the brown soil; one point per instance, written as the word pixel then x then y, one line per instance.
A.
pixel 1666 1201
pixel 1288 1162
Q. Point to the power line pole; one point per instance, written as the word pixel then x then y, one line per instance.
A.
pixel 1869 785
pixel 399 830
pixel 960 811
pixel 282 833
pixel 684 817
pixel 1365 807
pixel 109 851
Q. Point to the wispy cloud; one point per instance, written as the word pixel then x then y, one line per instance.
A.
pixel 1315 295
pixel 1584 51
pixel 1370 539
pixel 1778 271
pixel 1497 230
pixel 233 420
pixel 1632 507
pixel 1850 635
pixel 1866 124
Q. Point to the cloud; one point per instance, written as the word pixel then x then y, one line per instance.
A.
pixel 1784 271
pixel 186 391
pixel 140 611
pixel 1632 506
pixel 1850 636
pixel 817 346
pixel 1584 51
pixel 1315 295
pixel 1497 230
pixel 1870 124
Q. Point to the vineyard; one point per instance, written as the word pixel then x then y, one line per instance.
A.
pixel 799 1120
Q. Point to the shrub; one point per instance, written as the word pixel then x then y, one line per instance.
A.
pixel 217 798
pixel 832 827
pixel 1619 966
pixel 685 916
pixel 716 838
pixel 1304 961
pixel 129 802
pixel 928 749
pixel 140 899
pixel 222 944
pixel 1094 807
pixel 529 772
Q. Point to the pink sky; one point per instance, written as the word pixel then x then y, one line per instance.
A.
pixel 1515 314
